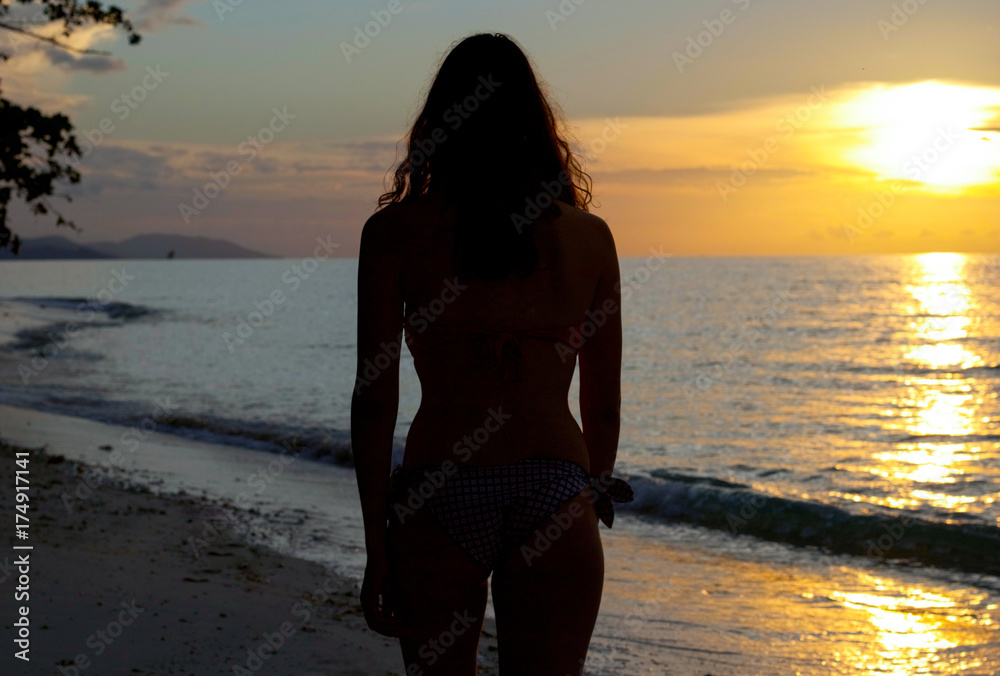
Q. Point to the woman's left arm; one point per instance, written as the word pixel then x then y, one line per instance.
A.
pixel 376 391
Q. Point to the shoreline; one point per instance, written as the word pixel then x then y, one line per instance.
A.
pixel 118 584
pixel 164 529
pixel 175 541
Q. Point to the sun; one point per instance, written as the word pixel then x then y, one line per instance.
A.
pixel 939 134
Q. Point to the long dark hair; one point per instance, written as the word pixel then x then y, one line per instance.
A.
pixel 489 141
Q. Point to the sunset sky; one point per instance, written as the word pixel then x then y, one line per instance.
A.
pixel 710 128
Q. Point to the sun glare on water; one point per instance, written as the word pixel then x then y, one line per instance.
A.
pixel 938 134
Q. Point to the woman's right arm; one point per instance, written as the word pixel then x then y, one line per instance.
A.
pixel 601 361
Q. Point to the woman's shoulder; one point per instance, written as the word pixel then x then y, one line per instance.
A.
pixel 395 224
pixel 582 217
pixel 381 233
pixel 594 229
pixel 396 216
pixel 404 230
pixel 389 220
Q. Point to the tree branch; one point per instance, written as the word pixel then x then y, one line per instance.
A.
pixel 53 41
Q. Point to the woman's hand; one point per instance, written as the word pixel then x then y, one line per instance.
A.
pixel 376 597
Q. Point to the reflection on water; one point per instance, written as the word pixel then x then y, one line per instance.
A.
pixel 912 628
pixel 944 406
pixel 875 386
pixel 816 618
pixel 937 462
pixel 943 305
pixel 943 309
pixel 938 410
pixel 944 355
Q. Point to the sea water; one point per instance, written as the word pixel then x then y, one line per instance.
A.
pixel 813 441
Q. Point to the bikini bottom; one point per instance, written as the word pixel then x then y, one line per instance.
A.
pixel 488 510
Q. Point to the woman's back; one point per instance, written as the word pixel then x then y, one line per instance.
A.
pixel 493 398
pixel 494 459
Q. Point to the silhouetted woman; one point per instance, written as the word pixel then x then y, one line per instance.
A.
pixel 484 252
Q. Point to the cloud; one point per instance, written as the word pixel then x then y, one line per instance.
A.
pixel 378 145
pixel 686 175
pixel 305 167
pixel 799 187
pixel 36 72
pixel 374 155
pixel 155 15
pixel 115 167
pixel 94 63
pixel 280 170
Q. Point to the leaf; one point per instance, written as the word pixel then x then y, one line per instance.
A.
pixel 39 151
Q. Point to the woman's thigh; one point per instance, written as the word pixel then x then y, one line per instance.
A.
pixel 547 593
pixel 439 594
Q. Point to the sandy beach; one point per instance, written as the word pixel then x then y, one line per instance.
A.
pixel 114 533
pixel 204 520
pixel 117 587
pixel 120 583
pixel 745 256
pixel 156 533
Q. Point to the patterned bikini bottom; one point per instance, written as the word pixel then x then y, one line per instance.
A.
pixel 487 510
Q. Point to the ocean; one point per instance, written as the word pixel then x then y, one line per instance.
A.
pixel 814 442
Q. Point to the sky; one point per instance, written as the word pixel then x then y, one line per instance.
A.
pixel 724 127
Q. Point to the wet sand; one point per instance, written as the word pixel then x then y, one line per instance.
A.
pixel 678 599
pixel 118 586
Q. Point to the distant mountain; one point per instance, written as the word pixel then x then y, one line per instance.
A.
pixel 52 248
pixel 160 246
pixel 154 246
